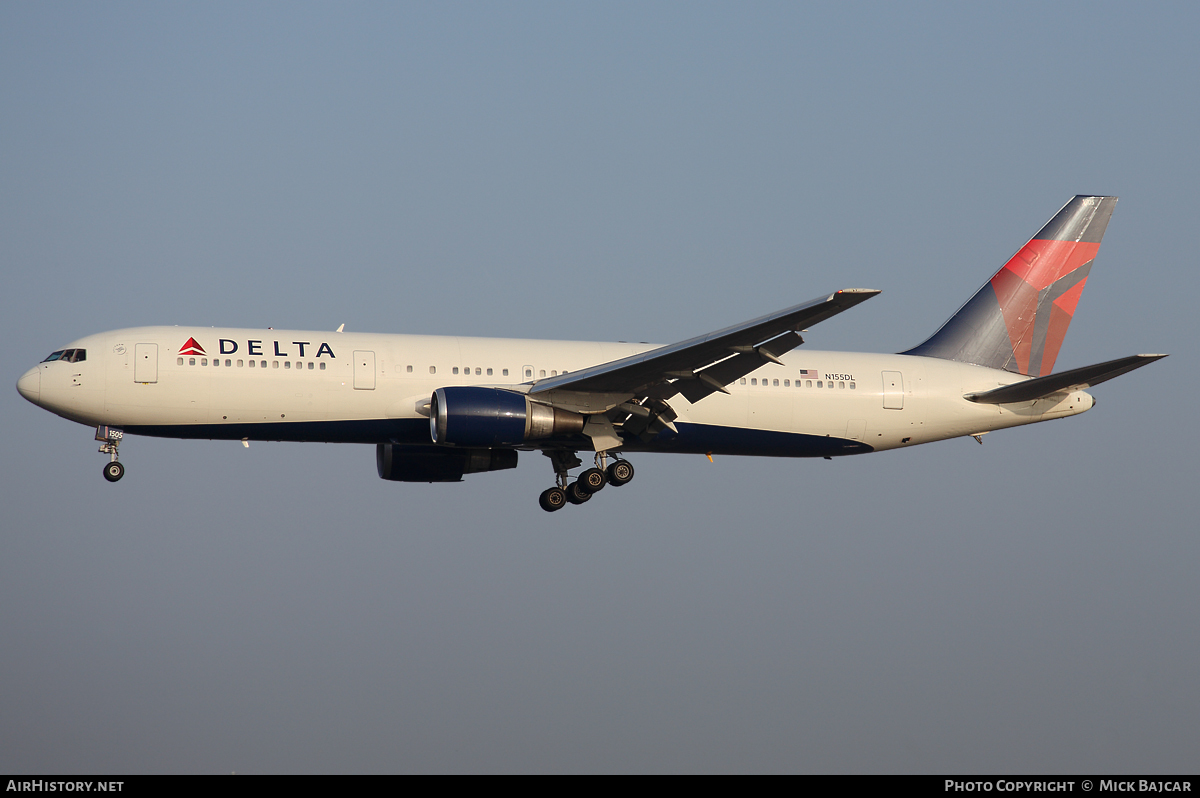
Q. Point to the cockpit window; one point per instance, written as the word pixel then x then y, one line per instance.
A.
pixel 68 355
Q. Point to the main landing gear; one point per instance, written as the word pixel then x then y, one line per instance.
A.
pixel 110 439
pixel 589 482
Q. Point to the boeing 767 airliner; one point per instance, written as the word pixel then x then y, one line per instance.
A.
pixel 437 407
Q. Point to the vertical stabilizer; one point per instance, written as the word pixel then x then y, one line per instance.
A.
pixel 1018 320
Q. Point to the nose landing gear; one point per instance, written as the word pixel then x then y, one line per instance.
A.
pixel 110 439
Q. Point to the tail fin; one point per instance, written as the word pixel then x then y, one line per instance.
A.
pixel 1018 320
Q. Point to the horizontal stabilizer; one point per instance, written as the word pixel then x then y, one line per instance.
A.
pixel 1071 380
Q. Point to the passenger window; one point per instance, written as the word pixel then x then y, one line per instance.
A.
pixel 228 364
pixel 807 383
pixel 830 384
pixel 841 385
pixel 852 386
pixel 432 369
pixel 191 361
pixel 263 363
pixel 454 370
pixel 743 381
pixel 322 366
pixel 239 363
pixel 409 369
pixel 310 365
pixel 787 383
pixel 178 361
pixel 203 361
pixel 541 372
pixel 528 373
pixel 504 372
pixel 754 380
pixel 287 364
pixel 274 364
pixel 775 383
pixel 820 384
pixel 489 372
pixel 554 373
pixel 251 364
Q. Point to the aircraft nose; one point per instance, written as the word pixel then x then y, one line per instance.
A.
pixel 30 384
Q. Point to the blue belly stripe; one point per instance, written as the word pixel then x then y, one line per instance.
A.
pixel 692 438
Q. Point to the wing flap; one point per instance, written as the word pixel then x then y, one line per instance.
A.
pixel 734 368
pixel 1075 379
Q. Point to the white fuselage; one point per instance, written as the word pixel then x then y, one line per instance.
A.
pixel 358 387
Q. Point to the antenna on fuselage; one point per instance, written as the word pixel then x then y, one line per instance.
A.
pixel 340 328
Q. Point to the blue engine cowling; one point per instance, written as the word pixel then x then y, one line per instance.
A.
pixel 468 415
pixel 437 464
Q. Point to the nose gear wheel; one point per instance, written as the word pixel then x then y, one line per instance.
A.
pixel 110 439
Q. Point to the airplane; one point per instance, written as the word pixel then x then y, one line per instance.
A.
pixel 439 407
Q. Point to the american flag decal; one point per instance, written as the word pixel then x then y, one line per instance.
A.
pixel 809 374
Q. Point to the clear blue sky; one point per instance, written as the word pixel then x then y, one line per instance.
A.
pixel 598 171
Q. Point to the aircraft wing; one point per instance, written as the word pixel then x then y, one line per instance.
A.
pixel 702 365
pixel 1074 379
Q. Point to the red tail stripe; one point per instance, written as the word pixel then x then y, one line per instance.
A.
pixel 1040 263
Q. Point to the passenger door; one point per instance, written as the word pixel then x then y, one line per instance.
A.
pixel 364 370
pixel 893 390
pixel 145 363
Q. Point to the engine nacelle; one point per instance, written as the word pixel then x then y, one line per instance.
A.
pixel 467 415
pixel 435 464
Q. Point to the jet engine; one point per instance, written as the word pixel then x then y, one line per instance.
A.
pixel 435 464
pixel 468 415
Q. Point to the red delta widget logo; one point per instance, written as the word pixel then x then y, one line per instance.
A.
pixel 228 346
pixel 192 348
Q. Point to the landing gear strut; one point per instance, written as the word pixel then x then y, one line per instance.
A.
pixel 110 439
pixel 590 482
